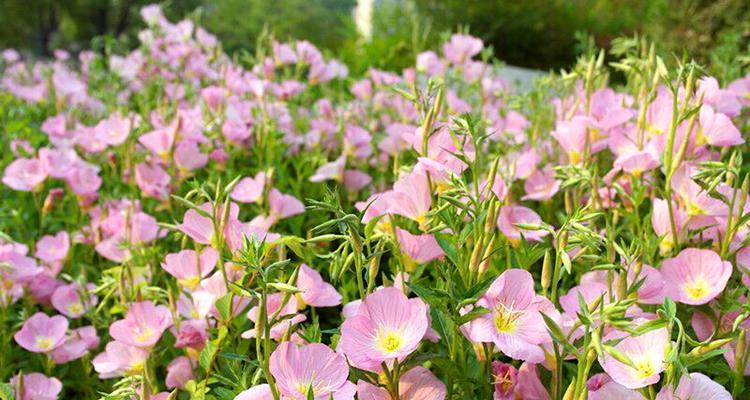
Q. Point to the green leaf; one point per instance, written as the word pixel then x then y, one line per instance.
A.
pixel 224 306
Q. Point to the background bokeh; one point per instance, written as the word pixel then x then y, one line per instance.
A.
pixel 540 34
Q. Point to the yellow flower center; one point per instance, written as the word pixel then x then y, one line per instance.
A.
pixel 644 369
pixel 44 343
pixel 389 342
pixel 505 321
pixel 143 335
pixel 190 283
pixel 75 308
pixel 697 289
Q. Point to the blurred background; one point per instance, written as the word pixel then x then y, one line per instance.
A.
pixel 537 34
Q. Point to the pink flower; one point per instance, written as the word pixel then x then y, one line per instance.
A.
pixel 76 345
pixel 417 383
pixel 513 384
pixel 695 276
pixel 260 392
pixel 410 197
pixel 25 174
pixel 283 205
pixel 35 386
pixel 152 180
pixel 602 387
pixel 420 249
pixel 160 141
pixel 179 372
pixel 514 323
pixel 647 355
pixel 716 129
pixel 273 304
pixel 332 170
pixel 461 48
pixel 541 185
pixel 189 267
pixel 571 135
pixel 511 215
pixel 41 333
pixel 315 291
pixel 120 359
pixel 72 300
pixel 188 156
pixel 114 130
pixel 143 324
pixel 694 386
pixel 312 368
pixel 249 190
pixel 53 249
pixel 84 179
pixel 386 326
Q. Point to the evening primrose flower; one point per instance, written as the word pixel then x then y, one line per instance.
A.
pixel 72 300
pixel 35 386
pixel 189 267
pixel 315 291
pixel 695 276
pixel 42 333
pixel 250 190
pixel 646 352
pixel 514 323
pixel 387 326
pixel 410 197
pixel 143 325
pixel 511 215
pixel 310 369
pixel 602 387
pixel 419 249
pixel 417 383
pixel 120 359
pixel 523 383
pixel 694 386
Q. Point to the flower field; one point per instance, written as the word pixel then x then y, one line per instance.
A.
pixel 181 224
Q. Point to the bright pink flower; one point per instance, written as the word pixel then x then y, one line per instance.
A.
pixel 647 354
pixel 41 333
pixel 53 249
pixel 189 268
pixel 59 162
pixel 120 359
pixel 387 326
pixel 511 215
pixel 143 325
pixel 695 276
pixel 716 129
pixel 250 190
pixel 514 323
pixel 694 386
pixel 72 300
pixel 420 249
pixel 312 368
pixel 25 174
pixel 35 386
pixel 201 228
pixel 315 291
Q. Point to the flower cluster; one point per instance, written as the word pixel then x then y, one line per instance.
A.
pixel 181 224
